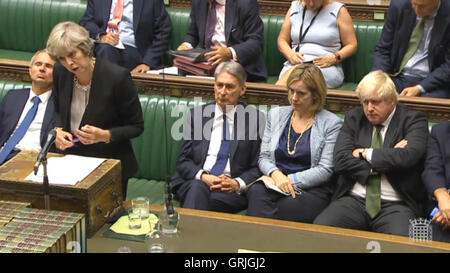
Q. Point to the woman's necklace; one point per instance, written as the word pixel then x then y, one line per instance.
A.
pixel 292 152
pixel 84 88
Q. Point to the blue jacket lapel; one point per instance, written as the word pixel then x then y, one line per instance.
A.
pixel 18 109
pixel 106 11
pixel 47 123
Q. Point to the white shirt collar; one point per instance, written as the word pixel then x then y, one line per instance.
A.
pixel 43 97
pixel 388 120
pixel 230 114
pixel 221 2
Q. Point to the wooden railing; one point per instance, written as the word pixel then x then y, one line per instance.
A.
pixel 338 101
pixel 361 10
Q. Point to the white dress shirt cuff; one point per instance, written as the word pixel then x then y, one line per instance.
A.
pixel 422 90
pixel 199 174
pixel 242 184
pixel 233 53
pixel 369 155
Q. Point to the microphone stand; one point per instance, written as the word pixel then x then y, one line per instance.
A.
pixel 170 223
pixel 46 184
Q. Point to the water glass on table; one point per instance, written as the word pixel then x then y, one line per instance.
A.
pixel 141 204
pixel 134 219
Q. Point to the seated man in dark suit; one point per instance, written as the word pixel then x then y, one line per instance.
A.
pixel 436 177
pixel 219 153
pixel 26 115
pixel 132 33
pixel 233 30
pixel 378 159
pixel 414 48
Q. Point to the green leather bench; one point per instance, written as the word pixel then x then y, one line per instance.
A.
pixel 26 24
pixel 149 147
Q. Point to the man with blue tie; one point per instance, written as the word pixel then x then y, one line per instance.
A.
pixel 26 115
pixel 219 153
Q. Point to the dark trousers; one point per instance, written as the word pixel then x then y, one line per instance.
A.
pixel 304 208
pixel 128 57
pixel 195 194
pixel 402 81
pixel 439 234
pixel 350 212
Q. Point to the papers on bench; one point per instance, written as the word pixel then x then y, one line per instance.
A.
pixel 67 170
pixel 168 71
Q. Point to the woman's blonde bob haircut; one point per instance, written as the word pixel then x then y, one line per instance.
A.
pixel 66 35
pixel 379 82
pixel 313 79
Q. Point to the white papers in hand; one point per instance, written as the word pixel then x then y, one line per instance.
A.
pixel 270 184
pixel 120 45
pixel 67 170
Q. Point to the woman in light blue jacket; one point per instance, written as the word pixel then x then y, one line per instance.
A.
pixel 297 150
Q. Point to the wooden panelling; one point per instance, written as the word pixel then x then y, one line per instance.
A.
pixel 361 10
pixel 338 101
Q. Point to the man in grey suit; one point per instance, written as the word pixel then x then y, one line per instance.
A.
pixel 378 158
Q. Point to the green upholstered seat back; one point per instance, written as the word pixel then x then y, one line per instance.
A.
pixel 357 66
pixel 272 56
pixel 150 147
pixel 26 24
pixel 5 86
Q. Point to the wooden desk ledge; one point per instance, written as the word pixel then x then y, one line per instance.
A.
pixel 370 236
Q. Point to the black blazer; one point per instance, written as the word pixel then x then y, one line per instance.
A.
pixel 243 153
pixel 151 24
pixel 437 165
pixel 403 167
pixel 244 31
pixel 393 44
pixel 11 109
pixel 113 104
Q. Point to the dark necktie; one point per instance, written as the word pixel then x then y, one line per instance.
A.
pixel 373 186
pixel 21 130
pixel 222 156
pixel 210 24
pixel 413 45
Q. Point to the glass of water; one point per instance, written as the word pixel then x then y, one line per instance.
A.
pixel 141 204
pixel 134 219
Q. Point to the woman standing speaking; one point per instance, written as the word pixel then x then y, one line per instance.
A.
pixel 97 108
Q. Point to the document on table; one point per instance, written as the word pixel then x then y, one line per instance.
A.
pixel 67 170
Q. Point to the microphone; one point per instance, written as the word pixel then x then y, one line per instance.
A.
pixel 43 154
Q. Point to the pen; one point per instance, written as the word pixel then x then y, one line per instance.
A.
pixel 434 212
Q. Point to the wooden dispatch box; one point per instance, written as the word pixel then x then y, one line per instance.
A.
pixel 99 195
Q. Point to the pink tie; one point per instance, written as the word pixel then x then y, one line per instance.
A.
pixel 118 11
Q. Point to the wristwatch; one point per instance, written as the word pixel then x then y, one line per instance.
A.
pixel 338 57
pixel 361 151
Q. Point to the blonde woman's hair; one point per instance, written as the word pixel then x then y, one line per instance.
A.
pixel 66 35
pixel 313 79
pixel 379 82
